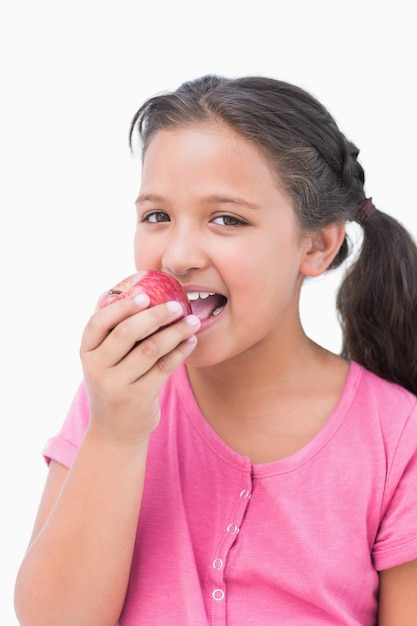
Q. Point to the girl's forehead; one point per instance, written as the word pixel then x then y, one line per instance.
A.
pixel 198 134
pixel 209 160
pixel 168 146
pixel 215 128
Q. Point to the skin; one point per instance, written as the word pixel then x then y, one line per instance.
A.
pixel 210 212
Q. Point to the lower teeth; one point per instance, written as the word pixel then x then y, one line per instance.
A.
pixel 217 311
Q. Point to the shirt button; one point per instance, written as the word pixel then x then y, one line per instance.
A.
pixel 217 564
pixel 218 594
pixel 232 529
pixel 245 494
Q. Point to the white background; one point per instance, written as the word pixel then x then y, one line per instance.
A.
pixel 72 75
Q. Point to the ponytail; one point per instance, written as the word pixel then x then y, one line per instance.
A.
pixel 377 302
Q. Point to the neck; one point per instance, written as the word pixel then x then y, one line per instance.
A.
pixel 257 373
pixel 268 409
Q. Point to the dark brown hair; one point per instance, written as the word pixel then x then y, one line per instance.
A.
pixel 319 168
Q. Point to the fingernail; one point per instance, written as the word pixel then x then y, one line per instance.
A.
pixel 174 306
pixel 193 320
pixel 141 299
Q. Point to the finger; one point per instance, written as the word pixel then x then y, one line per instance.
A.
pixel 169 363
pixel 103 321
pixel 155 378
pixel 152 350
pixel 136 329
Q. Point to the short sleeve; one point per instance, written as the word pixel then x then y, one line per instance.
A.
pixel 396 541
pixel 64 445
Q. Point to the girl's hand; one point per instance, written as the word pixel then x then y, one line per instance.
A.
pixel 126 358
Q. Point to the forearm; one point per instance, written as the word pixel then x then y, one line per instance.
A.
pixel 77 568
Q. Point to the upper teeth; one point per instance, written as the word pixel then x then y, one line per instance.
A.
pixel 195 295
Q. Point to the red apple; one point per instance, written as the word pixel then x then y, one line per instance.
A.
pixel 159 286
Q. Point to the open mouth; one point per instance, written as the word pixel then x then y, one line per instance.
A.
pixel 206 304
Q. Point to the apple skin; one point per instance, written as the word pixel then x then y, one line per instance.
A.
pixel 158 285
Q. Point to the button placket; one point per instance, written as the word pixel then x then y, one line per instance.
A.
pixel 245 494
pixel 232 529
pixel 218 564
pixel 218 594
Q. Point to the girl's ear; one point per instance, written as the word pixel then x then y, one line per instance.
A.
pixel 321 248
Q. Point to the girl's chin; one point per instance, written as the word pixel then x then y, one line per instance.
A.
pixel 200 359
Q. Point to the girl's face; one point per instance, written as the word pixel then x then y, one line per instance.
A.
pixel 211 214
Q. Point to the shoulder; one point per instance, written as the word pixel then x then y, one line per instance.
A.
pixel 384 416
pixel 386 420
pixel 386 401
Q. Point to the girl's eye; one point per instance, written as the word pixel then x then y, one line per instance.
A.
pixel 156 217
pixel 228 220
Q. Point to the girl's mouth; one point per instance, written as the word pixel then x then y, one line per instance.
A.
pixel 206 304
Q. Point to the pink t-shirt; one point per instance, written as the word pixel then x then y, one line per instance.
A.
pixel 295 542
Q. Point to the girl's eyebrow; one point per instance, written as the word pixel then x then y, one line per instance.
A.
pixel 220 199
pixel 148 197
pixel 211 199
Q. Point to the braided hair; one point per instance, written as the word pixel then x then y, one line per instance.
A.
pixel 319 168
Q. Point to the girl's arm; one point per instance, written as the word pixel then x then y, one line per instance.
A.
pixel 398 595
pixel 76 569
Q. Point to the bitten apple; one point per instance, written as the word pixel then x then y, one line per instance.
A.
pixel 158 285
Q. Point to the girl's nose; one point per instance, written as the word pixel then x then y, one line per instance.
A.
pixel 184 253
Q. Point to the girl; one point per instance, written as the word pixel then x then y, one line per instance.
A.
pixel 226 469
